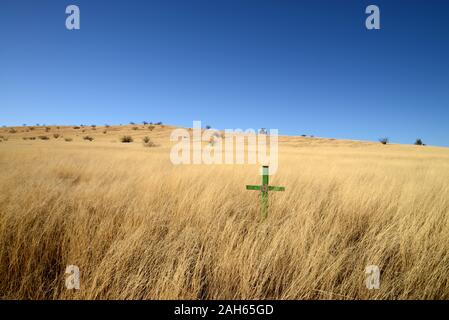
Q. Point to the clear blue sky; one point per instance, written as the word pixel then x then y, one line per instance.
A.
pixel 303 67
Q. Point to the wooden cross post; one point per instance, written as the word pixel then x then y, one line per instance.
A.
pixel 264 188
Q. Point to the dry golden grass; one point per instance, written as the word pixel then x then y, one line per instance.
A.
pixel 139 227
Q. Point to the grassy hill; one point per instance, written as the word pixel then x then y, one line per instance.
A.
pixel 139 227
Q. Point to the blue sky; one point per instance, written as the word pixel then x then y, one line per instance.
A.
pixel 303 67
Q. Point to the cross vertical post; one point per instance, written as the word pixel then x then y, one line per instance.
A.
pixel 264 188
pixel 264 191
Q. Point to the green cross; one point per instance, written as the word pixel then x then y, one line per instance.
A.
pixel 264 188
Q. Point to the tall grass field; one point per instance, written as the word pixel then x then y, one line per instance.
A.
pixel 139 227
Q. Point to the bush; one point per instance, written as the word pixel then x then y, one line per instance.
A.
pixel 135 128
pixel 56 135
pixel 31 128
pixel 151 128
pixel 32 138
pixel 44 138
pixel 89 138
pixel 68 139
pixel 76 127
pixel 12 130
pixel 47 129
pixel 419 142
pixel 126 139
pixel 147 142
pixel 104 132
pixel 384 140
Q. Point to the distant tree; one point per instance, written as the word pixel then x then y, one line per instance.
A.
pixel 208 127
pixel 159 123
pixel 384 140
pixel 419 142
pixel 144 123
pixel 263 131
pixel 132 123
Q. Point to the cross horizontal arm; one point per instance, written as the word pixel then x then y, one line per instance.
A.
pixel 252 187
pixel 276 188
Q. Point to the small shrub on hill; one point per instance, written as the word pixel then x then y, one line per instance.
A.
pixel 126 139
